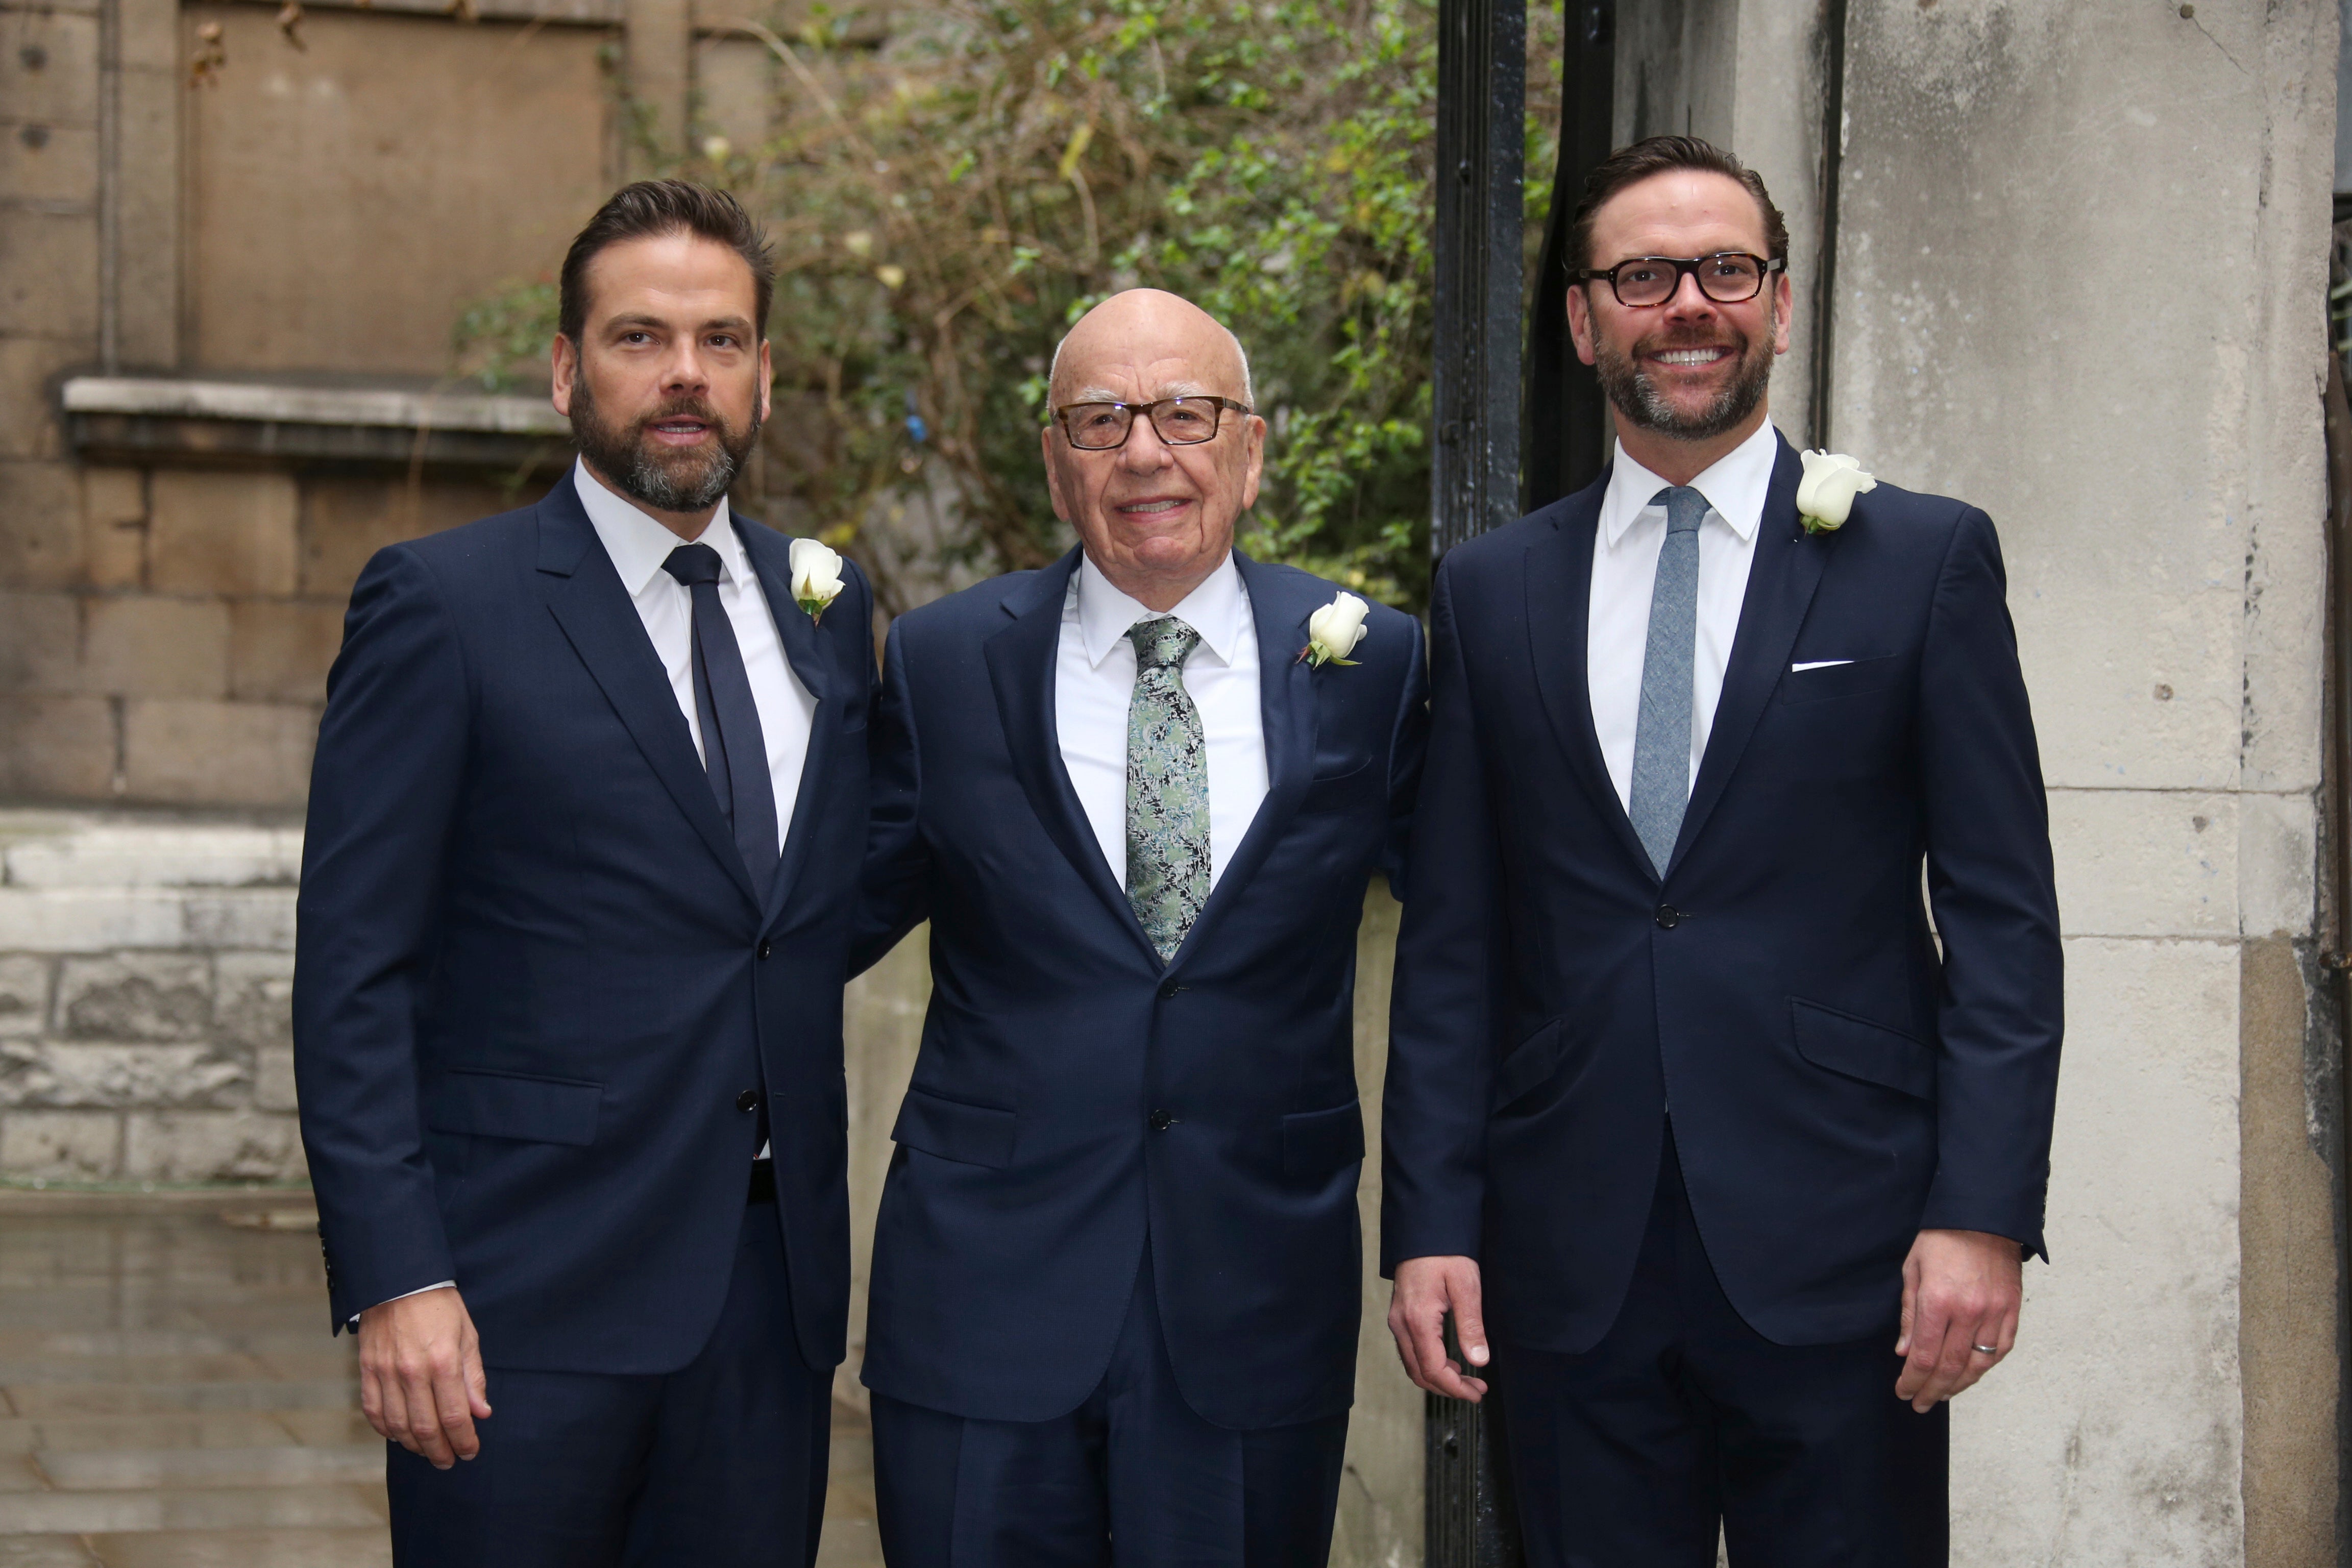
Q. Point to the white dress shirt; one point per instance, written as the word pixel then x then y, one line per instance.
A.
pixel 638 544
pixel 1094 678
pixel 1624 571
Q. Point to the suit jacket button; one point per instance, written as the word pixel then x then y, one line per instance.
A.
pixel 747 1100
pixel 1168 989
pixel 767 949
pixel 1669 917
pixel 1161 1121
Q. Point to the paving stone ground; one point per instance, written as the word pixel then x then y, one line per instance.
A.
pixel 168 1398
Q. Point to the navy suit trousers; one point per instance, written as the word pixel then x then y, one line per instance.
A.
pixel 1133 1477
pixel 1683 1419
pixel 720 1465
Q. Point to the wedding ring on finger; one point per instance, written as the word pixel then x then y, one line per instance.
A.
pixel 1986 1350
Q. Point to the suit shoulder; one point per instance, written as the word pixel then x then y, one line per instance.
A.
pixel 1502 548
pixel 1912 521
pixel 504 533
pixel 976 609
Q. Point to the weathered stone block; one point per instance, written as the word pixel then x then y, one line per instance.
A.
pixel 279 649
pixel 218 753
pixel 261 918
pixel 48 273
pixel 23 994
pixel 210 1146
pixel 221 533
pixel 61 166
pixel 155 854
pixel 89 920
pixel 347 521
pixel 63 90
pixel 40 524
pixel 57 748
pixel 253 1000
pixel 28 420
pixel 135 997
pixel 61 1145
pixel 39 637
pixel 62 1075
pixel 273 1080
pixel 114 527
pixel 147 646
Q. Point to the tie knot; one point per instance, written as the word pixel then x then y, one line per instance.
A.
pixel 693 564
pixel 1685 508
pixel 1162 644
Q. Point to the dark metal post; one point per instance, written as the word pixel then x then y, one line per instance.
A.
pixel 1481 88
pixel 1564 428
pixel 1481 71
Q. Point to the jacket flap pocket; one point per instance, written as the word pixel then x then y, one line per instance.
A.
pixel 1314 1142
pixel 509 1105
pixel 975 1134
pixel 1840 679
pixel 1860 1048
pixel 1530 1063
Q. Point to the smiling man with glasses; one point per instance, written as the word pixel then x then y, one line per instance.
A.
pixel 1116 1283
pixel 1688 1102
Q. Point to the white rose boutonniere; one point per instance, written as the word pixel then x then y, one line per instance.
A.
pixel 1333 631
pixel 816 577
pixel 1825 495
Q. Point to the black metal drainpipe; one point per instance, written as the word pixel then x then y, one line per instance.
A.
pixel 1832 158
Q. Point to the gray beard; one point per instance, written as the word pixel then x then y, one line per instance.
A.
pixel 1639 401
pixel 623 457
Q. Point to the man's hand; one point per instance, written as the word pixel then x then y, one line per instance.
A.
pixel 421 1382
pixel 1427 1289
pixel 1961 1288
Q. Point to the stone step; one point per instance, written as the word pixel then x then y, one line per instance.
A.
pixel 50 1399
pixel 251 1508
pixel 286 1465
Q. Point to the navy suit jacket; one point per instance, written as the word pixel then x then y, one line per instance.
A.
pixel 1073 1096
pixel 1836 1083
pixel 531 977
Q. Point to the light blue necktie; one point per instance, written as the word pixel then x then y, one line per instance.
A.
pixel 1662 735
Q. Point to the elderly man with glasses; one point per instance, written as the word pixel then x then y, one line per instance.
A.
pixel 1137 795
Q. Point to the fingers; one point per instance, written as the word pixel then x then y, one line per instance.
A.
pixel 419 1384
pixel 1468 1294
pixel 478 1382
pixel 1426 1289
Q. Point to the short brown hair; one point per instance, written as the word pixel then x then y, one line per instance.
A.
pixel 1663 155
pixel 652 207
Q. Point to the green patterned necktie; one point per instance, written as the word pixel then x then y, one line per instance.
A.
pixel 1167 787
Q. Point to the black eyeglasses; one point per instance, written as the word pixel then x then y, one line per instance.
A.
pixel 1178 421
pixel 1728 278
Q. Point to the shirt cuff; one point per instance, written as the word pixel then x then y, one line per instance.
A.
pixel 404 1295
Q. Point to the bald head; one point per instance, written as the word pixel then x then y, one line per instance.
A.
pixel 1144 314
pixel 1156 517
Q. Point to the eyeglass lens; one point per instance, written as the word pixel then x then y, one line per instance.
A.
pixel 1178 421
pixel 1727 279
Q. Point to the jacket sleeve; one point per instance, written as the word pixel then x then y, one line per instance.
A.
pixel 384 788
pixel 897 885
pixel 1433 1108
pixel 1989 883
pixel 1408 754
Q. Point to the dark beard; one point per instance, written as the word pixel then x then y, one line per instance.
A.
pixel 1638 402
pixel 663 480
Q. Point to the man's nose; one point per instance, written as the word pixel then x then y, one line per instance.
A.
pixel 684 370
pixel 1688 300
pixel 1144 451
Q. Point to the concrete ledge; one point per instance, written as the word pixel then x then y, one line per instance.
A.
pixel 134 417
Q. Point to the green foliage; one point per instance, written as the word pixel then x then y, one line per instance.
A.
pixel 945 206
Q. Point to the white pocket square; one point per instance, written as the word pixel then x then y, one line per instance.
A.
pixel 1818 664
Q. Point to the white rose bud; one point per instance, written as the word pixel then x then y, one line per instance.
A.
pixel 1333 631
pixel 1825 495
pixel 816 576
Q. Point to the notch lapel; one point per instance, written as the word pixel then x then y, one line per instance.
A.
pixel 585 596
pixel 1020 661
pixel 1558 576
pixel 1781 582
pixel 808 647
pixel 1280 604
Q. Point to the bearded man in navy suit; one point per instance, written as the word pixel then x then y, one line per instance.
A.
pixel 585 830
pixel 1733 1153
pixel 1138 794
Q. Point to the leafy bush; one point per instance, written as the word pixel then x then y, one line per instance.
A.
pixel 946 205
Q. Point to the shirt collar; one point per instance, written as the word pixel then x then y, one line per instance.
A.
pixel 1214 609
pixel 1734 486
pixel 639 543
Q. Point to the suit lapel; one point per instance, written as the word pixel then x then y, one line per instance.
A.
pixel 1280 604
pixel 585 594
pixel 1020 661
pixel 808 645
pixel 1558 578
pixel 1786 570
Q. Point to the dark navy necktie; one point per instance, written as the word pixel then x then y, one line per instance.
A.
pixel 734 751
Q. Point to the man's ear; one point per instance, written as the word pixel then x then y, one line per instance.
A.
pixel 1052 474
pixel 767 381
pixel 1784 297
pixel 562 368
pixel 1579 322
